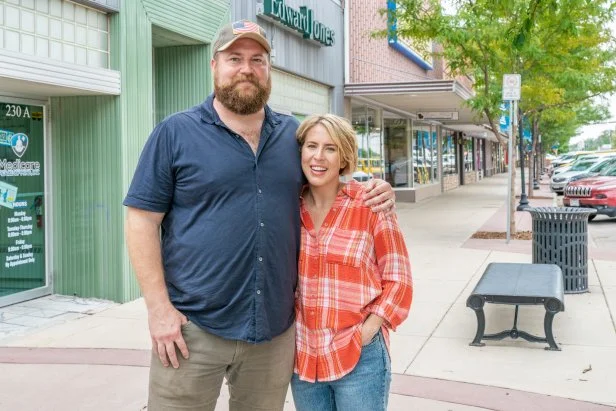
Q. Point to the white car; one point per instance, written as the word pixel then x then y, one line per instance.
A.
pixel 361 176
pixel 560 180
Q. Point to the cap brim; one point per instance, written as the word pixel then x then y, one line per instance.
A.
pixel 254 36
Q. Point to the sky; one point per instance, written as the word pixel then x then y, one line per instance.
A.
pixel 595 130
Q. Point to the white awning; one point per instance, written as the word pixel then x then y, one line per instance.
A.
pixel 34 76
pixel 432 96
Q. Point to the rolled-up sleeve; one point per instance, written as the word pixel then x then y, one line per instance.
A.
pixel 394 303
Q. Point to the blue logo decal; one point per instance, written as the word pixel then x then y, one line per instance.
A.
pixel 19 144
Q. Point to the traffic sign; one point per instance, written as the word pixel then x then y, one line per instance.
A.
pixel 512 84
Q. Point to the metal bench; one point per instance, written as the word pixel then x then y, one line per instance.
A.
pixel 518 284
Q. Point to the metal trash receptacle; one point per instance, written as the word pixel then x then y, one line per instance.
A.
pixel 560 236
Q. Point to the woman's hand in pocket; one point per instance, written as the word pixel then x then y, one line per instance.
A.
pixel 369 328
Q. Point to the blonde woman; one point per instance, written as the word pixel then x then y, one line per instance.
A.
pixel 354 279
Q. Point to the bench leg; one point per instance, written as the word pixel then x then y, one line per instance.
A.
pixel 477 306
pixel 552 307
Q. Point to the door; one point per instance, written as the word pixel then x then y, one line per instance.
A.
pixel 22 201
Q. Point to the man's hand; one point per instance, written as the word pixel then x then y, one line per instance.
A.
pixel 379 196
pixel 166 332
pixel 369 328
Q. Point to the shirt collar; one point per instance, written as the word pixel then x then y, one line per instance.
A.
pixel 351 189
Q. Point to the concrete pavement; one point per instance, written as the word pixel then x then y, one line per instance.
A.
pixel 98 361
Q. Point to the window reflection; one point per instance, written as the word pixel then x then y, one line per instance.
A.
pixel 468 155
pixel 450 158
pixel 398 172
pixel 422 155
pixel 434 158
pixel 367 124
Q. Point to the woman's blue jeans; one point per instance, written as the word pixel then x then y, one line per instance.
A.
pixel 364 388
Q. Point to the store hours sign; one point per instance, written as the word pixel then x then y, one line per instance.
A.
pixel 301 20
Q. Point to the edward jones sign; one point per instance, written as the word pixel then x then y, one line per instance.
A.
pixel 301 21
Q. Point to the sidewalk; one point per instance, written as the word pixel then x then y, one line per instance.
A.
pixel 99 359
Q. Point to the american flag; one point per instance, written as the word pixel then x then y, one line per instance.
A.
pixel 242 26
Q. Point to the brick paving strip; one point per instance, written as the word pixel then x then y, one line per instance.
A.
pixel 493 398
pixel 90 356
pixel 485 396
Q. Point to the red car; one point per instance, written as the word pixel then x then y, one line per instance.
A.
pixel 594 192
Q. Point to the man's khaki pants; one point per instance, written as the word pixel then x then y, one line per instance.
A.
pixel 258 374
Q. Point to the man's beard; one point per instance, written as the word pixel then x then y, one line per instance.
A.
pixel 240 102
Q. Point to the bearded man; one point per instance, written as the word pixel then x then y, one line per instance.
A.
pixel 213 230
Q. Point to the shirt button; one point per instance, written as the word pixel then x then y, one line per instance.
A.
pixel 258 291
pixel 324 224
pixel 260 258
pixel 260 191
pixel 311 312
pixel 262 225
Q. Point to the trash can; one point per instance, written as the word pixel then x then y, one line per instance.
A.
pixel 560 236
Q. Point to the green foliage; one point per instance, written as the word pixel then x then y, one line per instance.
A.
pixel 607 137
pixel 558 125
pixel 363 153
pixel 563 50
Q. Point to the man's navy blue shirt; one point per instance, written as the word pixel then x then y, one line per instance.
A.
pixel 231 231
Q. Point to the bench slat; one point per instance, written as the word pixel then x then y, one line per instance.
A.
pixel 521 280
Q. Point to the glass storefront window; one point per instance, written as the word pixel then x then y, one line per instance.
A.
pixel 397 170
pixel 468 155
pixel 422 154
pixel 501 162
pixel 450 153
pixel 479 153
pixel 367 124
pixel 434 158
pixel 22 239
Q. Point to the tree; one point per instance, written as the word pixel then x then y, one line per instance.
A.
pixel 562 49
pixel 604 139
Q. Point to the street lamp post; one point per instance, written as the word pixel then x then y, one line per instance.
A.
pixel 535 172
pixel 536 148
pixel 523 198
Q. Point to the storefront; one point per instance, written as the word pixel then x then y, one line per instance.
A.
pixel 307 52
pixel 22 199
pixel 420 157
pixel 409 110
pixel 82 84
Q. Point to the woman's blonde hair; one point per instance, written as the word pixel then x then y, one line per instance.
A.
pixel 340 131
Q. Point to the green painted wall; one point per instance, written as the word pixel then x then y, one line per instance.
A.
pixel 96 141
pixel 199 20
pixel 87 218
pixel 176 67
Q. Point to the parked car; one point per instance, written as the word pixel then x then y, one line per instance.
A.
pixel 597 169
pixel 596 157
pixel 361 176
pixel 595 192
pixel 560 180
pixel 422 168
pixel 561 160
